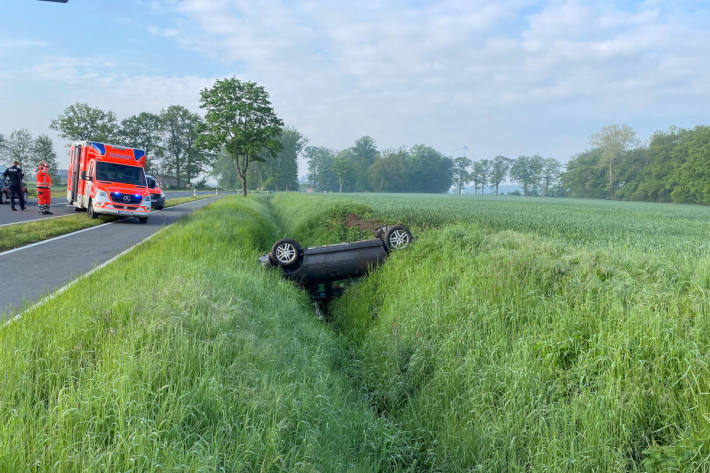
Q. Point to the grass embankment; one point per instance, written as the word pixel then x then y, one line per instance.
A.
pixel 508 351
pixel 199 361
pixel 20 234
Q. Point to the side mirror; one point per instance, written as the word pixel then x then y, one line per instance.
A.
pixel 151 185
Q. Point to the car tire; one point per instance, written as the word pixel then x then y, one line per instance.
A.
pixel 90 210
pixel 285 252
pixel 142 219
pixel 398 237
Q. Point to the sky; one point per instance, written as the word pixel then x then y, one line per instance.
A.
pixel 471 78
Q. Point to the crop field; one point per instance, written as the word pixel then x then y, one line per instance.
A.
pixel 513 335
pixel 532 334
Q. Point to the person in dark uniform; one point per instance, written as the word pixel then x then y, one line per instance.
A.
pixel 14 175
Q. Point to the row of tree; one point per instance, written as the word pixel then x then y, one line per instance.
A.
pixel 535 174
pixel 362 168
pixel 674 167
pixel 169 138
pixel 21 146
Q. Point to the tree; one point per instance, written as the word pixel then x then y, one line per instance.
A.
pixel 484 173
pixel 613 141
pixel 19 146
pixel 429 170
pixel 364 154
pixel 43 151
pixel 461 175
pixel 499 169
pixel 224 170
pixel 344 169
pixel 81 122
pixel 143 131
pixel 390 173
pixel 280 173
pixel 179 150
pixel 320 168
pixel 527 170
pixel 550 174
pixel 584 177
pixel 241 120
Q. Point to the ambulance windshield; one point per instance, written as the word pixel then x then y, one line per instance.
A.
pixel 112 172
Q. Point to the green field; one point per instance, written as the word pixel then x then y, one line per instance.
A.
pixel 514 335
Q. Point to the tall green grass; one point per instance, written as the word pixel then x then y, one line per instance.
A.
pixel 538 351
pixel 184 355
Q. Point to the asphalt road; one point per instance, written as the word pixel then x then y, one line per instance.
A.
pixel 59 208
pixel 39 269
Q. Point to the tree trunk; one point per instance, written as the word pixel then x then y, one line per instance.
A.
pixel 611 178
pixel 244 185
pixel 497 188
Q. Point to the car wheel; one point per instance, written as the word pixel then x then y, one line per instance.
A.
pixel 398 237
pixel 92 214
pixel 142 219
pixel 285 252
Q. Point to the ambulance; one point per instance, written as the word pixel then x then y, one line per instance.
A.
pixel 108 179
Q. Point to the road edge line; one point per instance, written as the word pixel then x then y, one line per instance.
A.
pixel 7 252
pixel 64 288
pixel 86 274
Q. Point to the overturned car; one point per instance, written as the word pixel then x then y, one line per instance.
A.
pixel 317 267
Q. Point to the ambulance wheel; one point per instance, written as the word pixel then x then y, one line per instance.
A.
pixel 142 219
pixel 92 214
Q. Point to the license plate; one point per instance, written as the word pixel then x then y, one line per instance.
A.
pixel 123 212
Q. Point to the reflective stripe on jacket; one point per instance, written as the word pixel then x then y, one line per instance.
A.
pixel 43 180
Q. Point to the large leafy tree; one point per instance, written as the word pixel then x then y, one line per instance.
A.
pixel 281 172
pixel 181 155
pixel 81 122
pixel 143 131
pixel 527 171
pixel 429 170
pixel 613 141
pixel 320 168
pixel 550 174
pixel 240 119
pixel 390 173
pixel 461 174
pixel 364 153
pixel 19 146
pixel 43 151
pixel 224 171
pixel 499 169
pixel 345 169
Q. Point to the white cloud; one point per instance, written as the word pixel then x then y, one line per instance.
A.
pixel 508 77
pixel 434 73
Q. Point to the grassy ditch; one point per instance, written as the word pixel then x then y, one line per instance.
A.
pixel 20 234
pixel 200 361
pixel 509 351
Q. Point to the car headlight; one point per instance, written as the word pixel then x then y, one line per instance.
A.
pixel 102 194
pixel 162 194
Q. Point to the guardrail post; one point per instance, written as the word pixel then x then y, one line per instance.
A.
pixel 194 192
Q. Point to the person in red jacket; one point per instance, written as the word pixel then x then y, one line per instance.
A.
pixel 44 186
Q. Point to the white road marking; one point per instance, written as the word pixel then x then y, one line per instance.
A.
pixel 83 230
pixel 88 273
